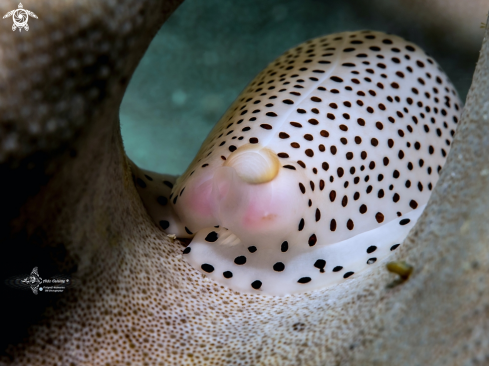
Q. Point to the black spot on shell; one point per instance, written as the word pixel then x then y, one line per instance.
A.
pixel 168 184
pixel 312 240
pixel 371 249
pixel 271 114
pixel 240 260
pixel 187 250
pixel 207 268
pixel 284 247
pixel 139 181
pixel 337 268
pixel 332 195
pixel 394 247
pixel 404 221
pixel 211 237
pixel 278 267
pixel 252 249
pixel 347 274
pixel 162 200
pixel 304 280
pixel 332 225
pixel 301 225
pixel 256 284
pixel 320 264
pixel 227 274
pixel 164 224
pixel 308 137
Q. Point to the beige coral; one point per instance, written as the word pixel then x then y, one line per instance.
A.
pixel 135 301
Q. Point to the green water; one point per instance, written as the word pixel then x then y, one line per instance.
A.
pixel 208 51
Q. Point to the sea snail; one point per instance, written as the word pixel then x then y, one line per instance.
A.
pixel 317 171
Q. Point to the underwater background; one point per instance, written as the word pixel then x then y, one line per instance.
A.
pixel 208 51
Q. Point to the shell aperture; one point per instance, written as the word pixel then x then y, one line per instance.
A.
pixel 317 171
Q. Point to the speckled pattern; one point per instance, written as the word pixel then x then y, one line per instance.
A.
pixel 441 316
pixel 137 303
pixel 58 107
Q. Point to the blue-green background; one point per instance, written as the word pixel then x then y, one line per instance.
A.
pixel 208 50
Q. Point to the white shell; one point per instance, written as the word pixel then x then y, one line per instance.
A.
pixel 361 123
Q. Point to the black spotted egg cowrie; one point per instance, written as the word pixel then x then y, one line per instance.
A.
pixel 317 171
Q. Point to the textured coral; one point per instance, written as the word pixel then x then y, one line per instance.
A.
pixel 136 302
